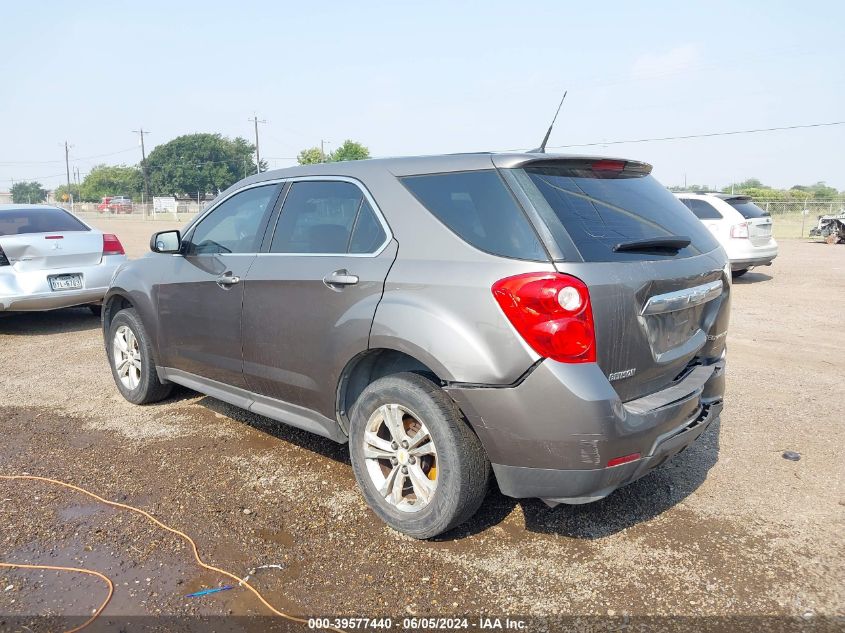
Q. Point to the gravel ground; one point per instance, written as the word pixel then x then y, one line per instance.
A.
pixel 728 528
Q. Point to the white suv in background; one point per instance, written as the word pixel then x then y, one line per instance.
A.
pixel 743 229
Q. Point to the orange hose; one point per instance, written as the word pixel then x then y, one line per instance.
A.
pixel 151 518
pixel 90 572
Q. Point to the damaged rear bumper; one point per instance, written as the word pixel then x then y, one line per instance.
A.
pixel 553 435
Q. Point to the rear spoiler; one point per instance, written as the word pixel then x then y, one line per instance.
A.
pixel 583 164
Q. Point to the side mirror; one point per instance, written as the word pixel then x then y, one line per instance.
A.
pixel 166 242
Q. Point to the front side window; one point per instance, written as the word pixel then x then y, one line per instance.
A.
pixel 702 209
pixel 477 206
pixel 234 225
pixel 326 217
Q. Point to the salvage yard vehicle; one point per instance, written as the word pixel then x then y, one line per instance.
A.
pixel 561 319
pixel 120 204
pixel 831 228
pixel 743 229
pixel 51 259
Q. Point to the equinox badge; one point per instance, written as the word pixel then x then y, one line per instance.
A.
pixel 619 375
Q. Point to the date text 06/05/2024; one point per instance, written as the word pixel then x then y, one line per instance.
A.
pixel 419 623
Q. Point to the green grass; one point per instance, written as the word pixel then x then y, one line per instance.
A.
pixel 788 225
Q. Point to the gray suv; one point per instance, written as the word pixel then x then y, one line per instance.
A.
pixel 555 322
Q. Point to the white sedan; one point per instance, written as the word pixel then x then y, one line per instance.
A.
pixel 743 229
pixel 51 259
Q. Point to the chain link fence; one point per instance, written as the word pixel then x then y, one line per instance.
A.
pixel 184 211
pixel 795 218
pixel 791 218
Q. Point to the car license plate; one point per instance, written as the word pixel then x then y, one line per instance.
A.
pixel 66 282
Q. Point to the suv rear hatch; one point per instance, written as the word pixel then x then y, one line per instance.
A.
pixel 758 220
pixel 655 274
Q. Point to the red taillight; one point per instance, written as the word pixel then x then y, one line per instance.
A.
pixel 608 165
pixel 54 237
pixel 552 312
pixel 112 245
pixel 740 231
pixel 618 461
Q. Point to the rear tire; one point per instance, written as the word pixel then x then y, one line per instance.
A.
pixel 449 469
pixel 738 273
pixel 132 361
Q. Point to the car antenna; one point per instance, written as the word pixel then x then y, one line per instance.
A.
pixel 542 148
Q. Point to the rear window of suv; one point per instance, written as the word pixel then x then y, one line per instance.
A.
pixel 23 221
pixel 747 208
pixel 601 208
pixel 477 206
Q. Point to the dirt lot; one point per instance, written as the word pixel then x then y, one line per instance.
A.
pixel 729 528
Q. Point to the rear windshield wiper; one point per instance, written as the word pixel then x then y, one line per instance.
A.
pixel 671 243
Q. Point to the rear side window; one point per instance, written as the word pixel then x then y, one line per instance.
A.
pixel 702 209
pixel 748 209
pixel 477 206
pixel 327 217
pixel 23 221
pixel 602 209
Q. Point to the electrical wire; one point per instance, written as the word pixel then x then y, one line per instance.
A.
pixel 90 572
pixel 705 135
pixel 163 526
pixel 47 162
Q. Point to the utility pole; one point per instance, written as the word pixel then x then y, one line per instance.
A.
pixel 142 131
pixel 67 169
pixel 323 150
pixel 256 121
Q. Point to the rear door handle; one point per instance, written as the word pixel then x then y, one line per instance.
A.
pixel 227 279
pixel 340 278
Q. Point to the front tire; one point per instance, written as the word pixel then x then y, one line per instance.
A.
pixel 419 466
pixel 132 361
pixel 738 273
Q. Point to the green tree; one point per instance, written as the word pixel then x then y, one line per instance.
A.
pixel 63 194
pixel 199 163
pixel 310 156
pixel 28 193
pixel 112 180
pixel 820 190
pixel 350 150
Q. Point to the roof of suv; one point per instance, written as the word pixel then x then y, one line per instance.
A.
pixel 410 165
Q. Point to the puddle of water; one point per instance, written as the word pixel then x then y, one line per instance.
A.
pixel 275 536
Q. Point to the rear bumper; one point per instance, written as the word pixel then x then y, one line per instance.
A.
pixel 30 290
pixel 53 300
pixel 552 435
pixel 742 254
pixel 750 262
pixel 584 486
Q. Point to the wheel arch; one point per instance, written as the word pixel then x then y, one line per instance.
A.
pixel 116 300
pixel 369 366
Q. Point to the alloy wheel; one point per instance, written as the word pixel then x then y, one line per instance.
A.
pixel 401 458
pixel 127 357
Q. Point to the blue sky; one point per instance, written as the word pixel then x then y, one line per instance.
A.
pixel 433 77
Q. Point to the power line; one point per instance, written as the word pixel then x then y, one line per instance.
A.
pixel 47 162
pixel 705 135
